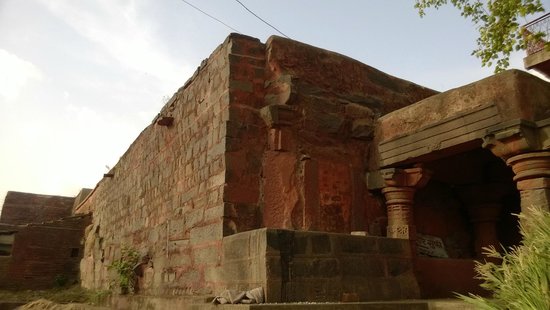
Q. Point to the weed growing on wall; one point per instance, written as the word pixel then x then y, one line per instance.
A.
pixel 124 267
pixel 60 280
pixel 522 281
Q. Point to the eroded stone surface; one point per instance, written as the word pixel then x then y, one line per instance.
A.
pixel 263 135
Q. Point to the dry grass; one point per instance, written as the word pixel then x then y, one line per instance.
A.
pixel 73 294
pixel 522 280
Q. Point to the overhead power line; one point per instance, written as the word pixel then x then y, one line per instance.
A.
pixel 258 17
pixel 214 18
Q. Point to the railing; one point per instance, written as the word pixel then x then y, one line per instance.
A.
pixel 539 25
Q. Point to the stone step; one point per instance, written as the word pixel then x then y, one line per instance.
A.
pixel 423 304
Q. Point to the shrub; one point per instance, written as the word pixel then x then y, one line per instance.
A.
pixel 60 280
pixel 124 268
pixel 522 281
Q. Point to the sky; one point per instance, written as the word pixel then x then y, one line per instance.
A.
pixel 79 80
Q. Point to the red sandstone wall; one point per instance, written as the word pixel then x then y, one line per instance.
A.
pixel 42 252
pixel 22 208
pixel 272 135
pixel 166 196
pixel 319 111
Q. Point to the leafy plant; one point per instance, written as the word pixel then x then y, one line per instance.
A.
pixel 497 23
pixel 522 281
pixel 60 280
pixel 124 268
pixel 98 297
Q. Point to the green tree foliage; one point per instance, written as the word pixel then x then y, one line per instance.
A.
pixel 522 281
pixel 497 22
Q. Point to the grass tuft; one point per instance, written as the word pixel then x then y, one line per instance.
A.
pixel 522 280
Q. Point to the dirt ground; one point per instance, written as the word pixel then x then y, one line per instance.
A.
pixel 44 304
pixel 65 298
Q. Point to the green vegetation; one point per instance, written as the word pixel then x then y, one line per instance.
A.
pixel 497 22
pixel 522 281
pixel 61 280
pixel 124 267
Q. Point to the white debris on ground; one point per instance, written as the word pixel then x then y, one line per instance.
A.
pixel 44 304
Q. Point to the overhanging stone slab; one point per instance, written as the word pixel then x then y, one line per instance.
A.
pixel 449 132
pixel 455 120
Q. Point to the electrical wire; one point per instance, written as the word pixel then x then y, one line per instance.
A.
pixel 214 18
pixel 258 17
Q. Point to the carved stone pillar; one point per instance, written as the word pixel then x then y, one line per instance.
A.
pixel 524 144
pixel 532 175
pixel 399 190
pixel 483 203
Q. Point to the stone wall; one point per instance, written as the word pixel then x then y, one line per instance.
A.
pixel 263 135
pixel 303 166
pixel 22 208
pixel 165 196
pixel 295 266
pixel 43 254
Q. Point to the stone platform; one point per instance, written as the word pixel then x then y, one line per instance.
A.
pixel 143 302
pixel 298 266
pixel 382 305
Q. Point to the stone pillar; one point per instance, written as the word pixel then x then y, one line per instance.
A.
pixel 399 190
pixel 484 219
pixel 483 203
pixel 523 145
pixel 532 175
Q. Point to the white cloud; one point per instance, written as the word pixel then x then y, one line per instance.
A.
pixel 15 75
pixel 122 31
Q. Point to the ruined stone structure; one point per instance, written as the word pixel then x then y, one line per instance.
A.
pixel 22 208
pixel 40 241
pixel 272 135
pixel 319 178
pixel 260 167
pixel 475 147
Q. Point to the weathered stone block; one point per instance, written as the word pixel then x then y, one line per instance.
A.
pixel 279 115
pixel 321 244
pixel 363 128
pixel 299 245
pixel 329 123
pixel 312 267
pixel 397 267
pixel 207 255
pixel 280 139
pixel 236 247
pixel 240 85
pixel 357 244
pixel 206 233
pixel 391 246
pixel 367 267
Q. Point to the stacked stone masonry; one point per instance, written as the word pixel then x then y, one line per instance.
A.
pixel 295 266
pixel 263 135
pixel 307 173
pixel 22 208
pixel 42 255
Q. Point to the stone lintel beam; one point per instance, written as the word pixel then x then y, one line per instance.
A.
pixel 399 190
